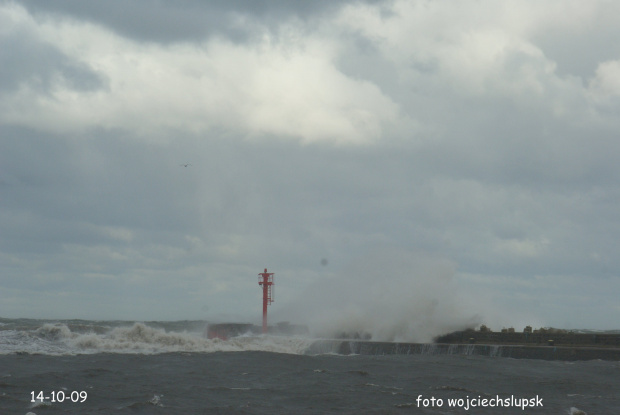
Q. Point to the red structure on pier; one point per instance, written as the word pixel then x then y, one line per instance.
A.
pixel 266 280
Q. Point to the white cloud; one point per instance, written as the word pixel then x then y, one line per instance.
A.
pixel 285 86
pixel 606 83
pixel 482 51
pixel 527 248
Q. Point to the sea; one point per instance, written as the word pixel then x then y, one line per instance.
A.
pixel 124 367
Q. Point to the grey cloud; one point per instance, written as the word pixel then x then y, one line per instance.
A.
pixel 279 205
pixel 27 61
pixel 517 194
pixel 579 50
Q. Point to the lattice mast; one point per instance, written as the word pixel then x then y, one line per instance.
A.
pixel 266 280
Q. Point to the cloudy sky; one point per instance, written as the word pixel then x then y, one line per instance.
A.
pixel 400 165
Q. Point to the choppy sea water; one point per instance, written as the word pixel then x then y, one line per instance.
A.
pixel 85 367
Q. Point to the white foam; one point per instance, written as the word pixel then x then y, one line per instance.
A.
pixel 156 400
pixel 15 341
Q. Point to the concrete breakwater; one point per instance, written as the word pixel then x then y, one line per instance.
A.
pixel 347 347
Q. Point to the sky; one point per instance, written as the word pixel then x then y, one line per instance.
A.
pixel 405 168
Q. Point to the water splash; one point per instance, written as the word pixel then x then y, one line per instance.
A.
pixel 387 296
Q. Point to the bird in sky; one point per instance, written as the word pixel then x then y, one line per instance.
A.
pixel 185 165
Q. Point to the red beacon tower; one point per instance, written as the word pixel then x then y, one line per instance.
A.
pixel 266 280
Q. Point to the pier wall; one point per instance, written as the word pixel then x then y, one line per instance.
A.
pixel 347 347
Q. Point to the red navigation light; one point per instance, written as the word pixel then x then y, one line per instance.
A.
pixel 266 280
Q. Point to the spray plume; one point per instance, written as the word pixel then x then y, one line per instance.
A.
pixel 389 296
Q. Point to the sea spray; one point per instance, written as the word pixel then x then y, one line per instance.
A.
pixel 388 296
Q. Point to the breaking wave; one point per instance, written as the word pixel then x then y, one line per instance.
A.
pixel 139 338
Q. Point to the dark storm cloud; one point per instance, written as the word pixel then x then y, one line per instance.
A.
pixel 185 20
